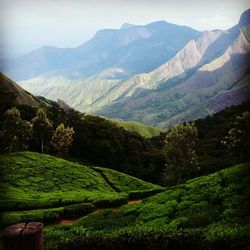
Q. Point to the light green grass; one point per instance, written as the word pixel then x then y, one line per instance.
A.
pixel 38 181
pixel 125 183
pixel 140 128
pixel 222 197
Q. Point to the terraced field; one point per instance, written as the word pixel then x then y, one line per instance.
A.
pixel 105 209
pixel 41 187
pixel 209 212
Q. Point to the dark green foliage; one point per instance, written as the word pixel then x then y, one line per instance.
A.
pixel 140 194
pixel 16 133
pixel 42 127
pixel 7 101
pixel 47 216
pixel 238 138
pixel 111 202
pixel 27 204
pixel 101 141
pixel 77 210
pixel 141 238
pixel 212 154
pixel 109 219
pixel 181 158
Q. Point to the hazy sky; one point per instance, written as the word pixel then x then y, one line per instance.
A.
pixel 30 24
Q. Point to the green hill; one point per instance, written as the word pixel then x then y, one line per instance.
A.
pixel 209 212
pixel 140 128
pixel 37 181
pixel 97 140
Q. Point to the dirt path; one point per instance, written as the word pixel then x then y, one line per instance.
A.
pixel 108 182
pixel 97 210
pixel 134 201
pixel 64 222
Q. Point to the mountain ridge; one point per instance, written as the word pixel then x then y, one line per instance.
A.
pixel 149 67
pixel 102 52
pixel 235 57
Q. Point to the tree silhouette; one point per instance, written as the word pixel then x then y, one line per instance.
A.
pixel 16 132
pixel 42 127
pixel 238 138
pixel 62 139
pixel 180 152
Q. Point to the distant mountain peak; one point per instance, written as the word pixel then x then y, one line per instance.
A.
pixel 245 18
pixel 127 26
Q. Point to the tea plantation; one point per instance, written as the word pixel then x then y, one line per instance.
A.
pixel 209 212
pixel 45 188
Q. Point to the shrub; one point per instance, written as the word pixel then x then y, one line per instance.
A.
pixel 140 194
pixel 112 202
pixel 77 210
pixel 46 216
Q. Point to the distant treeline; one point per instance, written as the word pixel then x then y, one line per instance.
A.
pixel 100 142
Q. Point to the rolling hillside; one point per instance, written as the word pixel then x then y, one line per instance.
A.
pixel 139 128
pixel 209 212
pixel 97 140
pixel 36 181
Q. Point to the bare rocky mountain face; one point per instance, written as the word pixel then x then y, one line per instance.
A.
pixel 160 74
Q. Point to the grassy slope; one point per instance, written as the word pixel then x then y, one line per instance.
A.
pixel 205 210
pixel 140 128
pixel 35 181
pixel 122 183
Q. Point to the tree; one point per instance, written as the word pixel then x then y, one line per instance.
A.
pixel 62 139
pixel 42 127
pixel 179 149
pixel 16 132
pixel 25 133
pixel 238 138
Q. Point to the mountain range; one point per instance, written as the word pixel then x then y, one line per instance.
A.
pixel 160 74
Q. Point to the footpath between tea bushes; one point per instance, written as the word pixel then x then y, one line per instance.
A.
pixel 209 212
